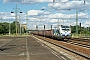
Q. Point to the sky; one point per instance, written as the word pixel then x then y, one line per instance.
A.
pixel 46 12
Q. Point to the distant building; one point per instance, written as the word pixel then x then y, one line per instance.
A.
pixel 23 25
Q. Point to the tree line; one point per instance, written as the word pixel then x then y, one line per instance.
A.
pixel 81 30
pixel 5 27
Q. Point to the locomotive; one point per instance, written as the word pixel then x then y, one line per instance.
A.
pixel 62 32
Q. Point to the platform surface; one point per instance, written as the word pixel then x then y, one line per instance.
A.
pixel 24 48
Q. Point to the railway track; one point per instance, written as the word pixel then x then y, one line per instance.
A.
pixel 77 46
pixel 80 42
pixel 82 39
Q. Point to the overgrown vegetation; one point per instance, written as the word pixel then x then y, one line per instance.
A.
pixel 81 30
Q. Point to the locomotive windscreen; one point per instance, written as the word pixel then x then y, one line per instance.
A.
pixel 65 26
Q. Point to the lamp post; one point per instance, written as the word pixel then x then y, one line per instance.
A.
pixel 27 22
pixel 9 28
pixel 20 24
pixel 77 22
pixel 16 18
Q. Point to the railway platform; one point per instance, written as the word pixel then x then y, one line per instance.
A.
pixel 26 48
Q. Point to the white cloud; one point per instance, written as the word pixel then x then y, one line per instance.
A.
pixel 7 16
pixel 64 0
pixel 59 18
pixel 70 5
pixel 34 12
pixel 87 23
pixel 53 20
pixel 49 19
pixel 83 15
pixel 68 16
pixel 38 12
pixel 7 1
pixel 27 1
pixel 32 1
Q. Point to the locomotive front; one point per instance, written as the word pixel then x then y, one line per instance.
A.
pixel 65 32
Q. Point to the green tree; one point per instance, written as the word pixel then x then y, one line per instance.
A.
pixel 4 28
pixel 13 26
pixel 73 29
pixel 81 30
